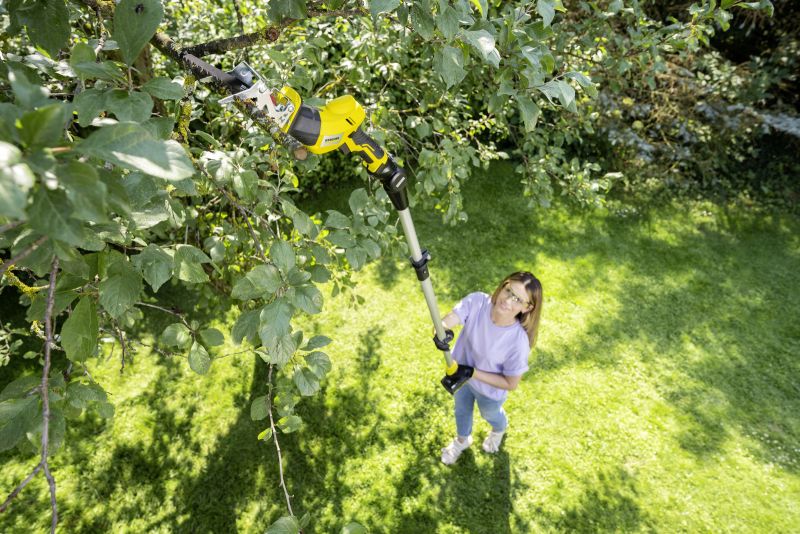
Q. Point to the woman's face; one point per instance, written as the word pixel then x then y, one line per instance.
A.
pixel 513 298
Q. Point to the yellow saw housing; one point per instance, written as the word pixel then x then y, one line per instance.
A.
pixel 336 125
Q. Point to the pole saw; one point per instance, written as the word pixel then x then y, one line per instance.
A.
pixel 337 126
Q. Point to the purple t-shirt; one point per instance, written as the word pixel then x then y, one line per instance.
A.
pixel 484 345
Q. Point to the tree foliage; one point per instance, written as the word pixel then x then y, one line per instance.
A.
pixel 121 168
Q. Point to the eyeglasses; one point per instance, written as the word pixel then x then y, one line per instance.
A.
pixel 514 298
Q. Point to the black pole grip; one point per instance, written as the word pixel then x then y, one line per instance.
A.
pixel 444 344
pixel 360 138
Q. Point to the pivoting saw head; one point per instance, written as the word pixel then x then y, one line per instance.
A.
pixel 280 105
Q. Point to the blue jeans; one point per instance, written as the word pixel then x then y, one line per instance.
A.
pixel 491 410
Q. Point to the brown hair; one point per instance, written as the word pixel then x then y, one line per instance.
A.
pixel 529 319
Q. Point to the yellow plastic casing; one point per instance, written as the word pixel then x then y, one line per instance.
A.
pixel 287 100
pixel 452 368
pixel 339 120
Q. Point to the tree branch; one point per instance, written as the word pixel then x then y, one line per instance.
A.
pixel 165 310
pixel 48 328
pixel 220 46
pixel 22 255
pixel 267 35
pixel 45 393
pixel 277 445
pixel 201 70
pixel 9 226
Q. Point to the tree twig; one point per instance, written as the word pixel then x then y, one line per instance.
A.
pixel 267 35
pixel 9 226
pixel 45 393
pixel 275 438
pixel 48 328
pixel 121 337
pixel 22 255
pixel 165 310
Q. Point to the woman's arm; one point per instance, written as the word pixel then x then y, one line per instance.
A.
pixel 451 320
pixel 508 383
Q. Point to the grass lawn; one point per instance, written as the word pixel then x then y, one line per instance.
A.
pixel 664 395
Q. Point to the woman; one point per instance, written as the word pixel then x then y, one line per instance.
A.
pixel 498 334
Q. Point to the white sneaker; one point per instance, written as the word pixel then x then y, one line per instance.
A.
pixel 492 442
pixel 451 453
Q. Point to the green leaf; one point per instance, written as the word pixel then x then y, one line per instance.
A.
pixel 47 23
pixel 484 43
pixel 188 264
pixel 176 335
pixel 547 11
pixel 50 215
pixel 45 126
pixel 309 299
pixel 567 96
pixel 337 220
pixel 105 410
pixel 530 112
pixel 246 327
pixel 20 387
pixel 447 21
pixel 319 274
pixel 80 331
pixel 317 342
pixel 212 337
pixel 422 21
pixel 85 191
pixel 354 528
pixel 303 223
pixel 261 282
pixel 482 6
pixel 319 363
pixel 164 88
pixel 121 289
pixel 284 525
pixel 282 254
pixel 28 94
pixel 450 65
pixel 199 360
pixel 133 106
pixel 17 416
pixel 265 434
pixel 552 90
pixel 82 395
pixel 306 382
pixel 104 70
pixel 357 257
pixel 290 424
pixel 259 408
pixel 89 104
pixel 161 128
pixel 154 264
pixel 376 7
pixel 373 249
pixel 132 147
pixel 358 200
pixel 274 320
pixel 584 81
pixel 81 53
pixel 282 9
pixel 297 277
pixel 281 349
pixel 341 239
pixel 135 22
pixel 16 179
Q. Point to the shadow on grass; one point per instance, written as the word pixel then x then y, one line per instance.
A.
pixel 715 303
pixel 138 478
pixel 353 422
pixel 607 504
